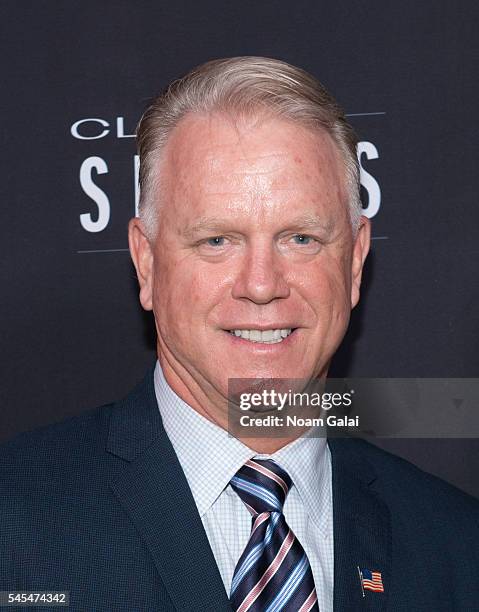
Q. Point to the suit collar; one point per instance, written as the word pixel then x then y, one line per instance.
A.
pixel 135 421
pixel 362 530
pixel 153 490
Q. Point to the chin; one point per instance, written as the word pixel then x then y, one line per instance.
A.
pixel 267 372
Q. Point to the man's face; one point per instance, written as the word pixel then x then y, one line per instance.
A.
pixel 254 236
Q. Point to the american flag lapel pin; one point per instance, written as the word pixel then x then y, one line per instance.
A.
pixel 370 580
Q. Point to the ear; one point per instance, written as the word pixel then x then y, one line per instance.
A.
pixel 142 256
pixel 360 252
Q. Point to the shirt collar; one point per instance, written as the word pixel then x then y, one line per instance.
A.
pixel 308 463
pixel 209 454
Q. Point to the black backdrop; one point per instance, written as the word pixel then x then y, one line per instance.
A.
pixel 73 333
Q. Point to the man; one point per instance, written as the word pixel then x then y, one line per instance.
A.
pixel 249 249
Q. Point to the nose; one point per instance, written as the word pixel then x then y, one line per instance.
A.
pixel 262 277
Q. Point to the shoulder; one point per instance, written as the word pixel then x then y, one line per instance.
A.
pixel 432 524
pixel 415 494
pixel 54 480
pixel 46 453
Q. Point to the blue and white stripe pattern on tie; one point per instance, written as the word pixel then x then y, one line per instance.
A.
pixel 273 573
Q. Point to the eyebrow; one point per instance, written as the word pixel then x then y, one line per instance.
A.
pixel 208 224
pixel 218 224
pixel 314 222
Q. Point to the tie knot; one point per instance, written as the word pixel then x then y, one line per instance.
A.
pixel 262 485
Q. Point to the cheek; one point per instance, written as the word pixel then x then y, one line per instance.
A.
pixel 338 310
pixel 184 294
pixel 327 287
pixel 201 287
pixel 169 287
pixel 338 288
pixel 327 294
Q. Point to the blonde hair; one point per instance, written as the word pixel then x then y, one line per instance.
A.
pixel 243 86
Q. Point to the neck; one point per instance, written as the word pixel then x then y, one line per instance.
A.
pixel 192 394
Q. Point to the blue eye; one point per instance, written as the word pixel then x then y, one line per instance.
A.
pixel 216 241
pixel 302 239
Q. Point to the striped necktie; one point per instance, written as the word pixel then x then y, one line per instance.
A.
pixel 273 573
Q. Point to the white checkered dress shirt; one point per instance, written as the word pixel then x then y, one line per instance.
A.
pixel 210 458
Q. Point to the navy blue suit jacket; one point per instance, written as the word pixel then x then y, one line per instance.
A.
pixel 99 506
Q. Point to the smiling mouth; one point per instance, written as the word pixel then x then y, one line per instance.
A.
pixel 268 336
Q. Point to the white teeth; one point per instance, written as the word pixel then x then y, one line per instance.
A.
pixel 268 336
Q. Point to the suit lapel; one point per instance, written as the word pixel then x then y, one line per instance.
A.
pixel 362 532
pixel 152 488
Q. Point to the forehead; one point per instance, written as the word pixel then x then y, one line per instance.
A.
pixel 215 157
